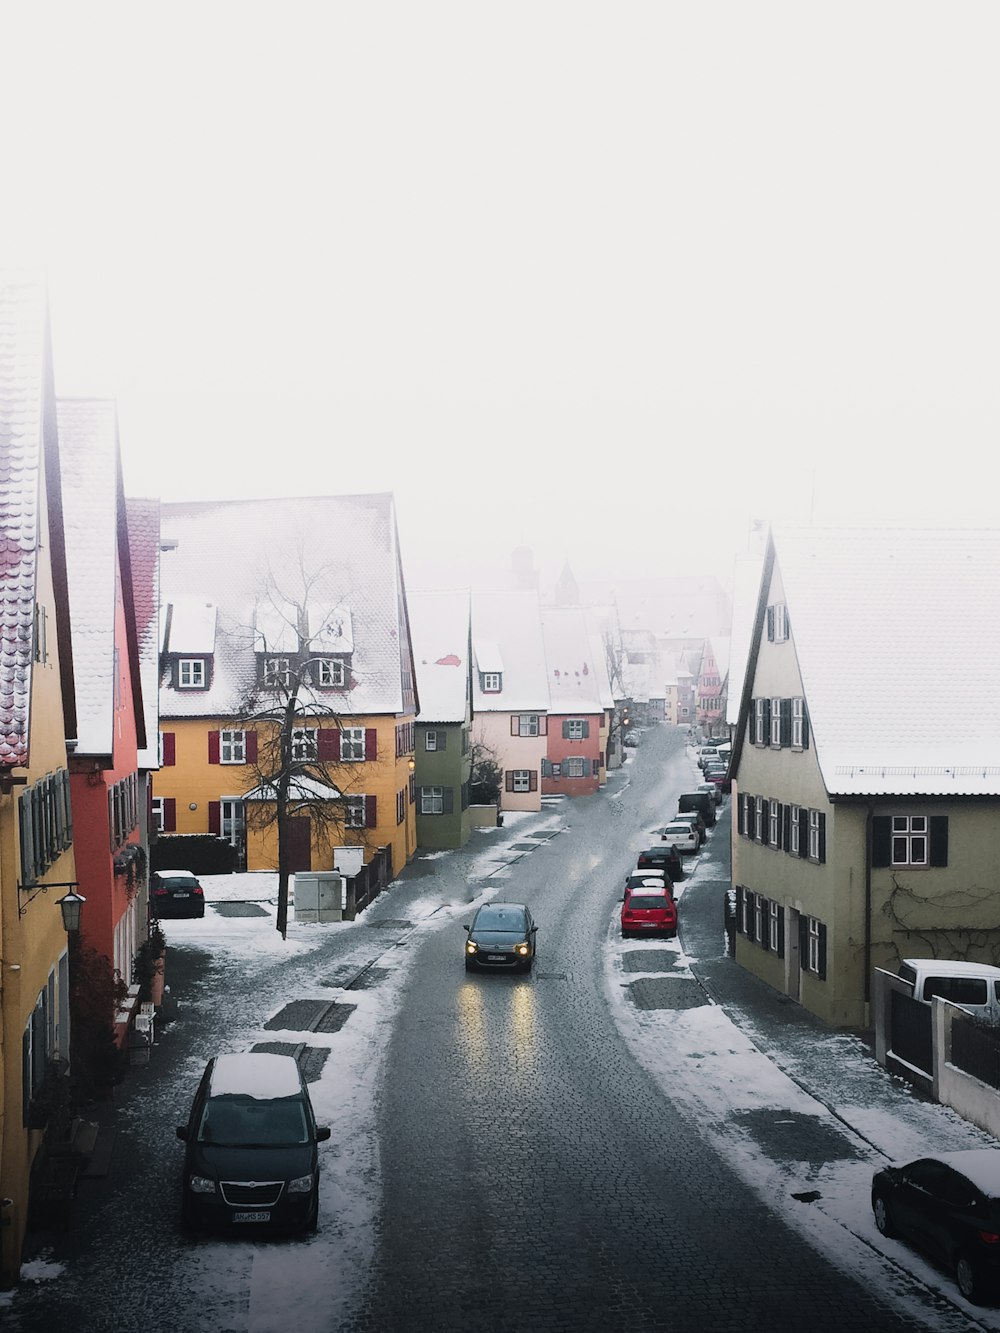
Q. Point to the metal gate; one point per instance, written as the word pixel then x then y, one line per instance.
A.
pixel 910 1032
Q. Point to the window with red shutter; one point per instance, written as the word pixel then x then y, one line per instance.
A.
pixel 251 740
pixel 215 816
pixel 169 815
pixel 213 747
pixel 370 817
pixel 168 748
pixel 371 743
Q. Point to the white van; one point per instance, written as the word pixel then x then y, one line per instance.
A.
pixel 973 986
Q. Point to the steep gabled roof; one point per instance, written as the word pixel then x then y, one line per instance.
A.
pixel 440 625
pixel 143 520
pixel 577 670
pixel 28 443
pixel 509 624
pixel 897 643
pixel 88 445
pixel 236 554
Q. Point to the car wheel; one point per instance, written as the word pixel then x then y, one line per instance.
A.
pixel 469 965
pixel 883 1217
pixel 313 1220
pixel 970 1280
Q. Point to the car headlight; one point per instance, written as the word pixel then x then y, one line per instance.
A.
pixel 301 1184
pixel 201 1185
pixel 471 946
pixel 522 948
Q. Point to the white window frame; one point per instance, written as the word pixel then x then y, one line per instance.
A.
pixel 522 779
pixel 794 816
pixel 758 919
pixel 492 682
pixel 814 823
pixel 780 622
pixel 330 673
pixel 773 924
pixel 430 740
pixel 191 673
pixel 527 724
pixel 812 952
pixel 911 840
pixel 798 723
pixel 776 722
pixel 759 735
pixel 574 728
pixel 774 824
pixel 352 744
pixel 305 744
pixel 432 800
pixel 747 913
pixel 156 813
pixel 354 812
pixel 277 673
pixel 232 747
pixel 576 766
pixel 758 819
pixel 233 820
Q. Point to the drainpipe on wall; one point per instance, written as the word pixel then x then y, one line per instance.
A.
pixel 868 912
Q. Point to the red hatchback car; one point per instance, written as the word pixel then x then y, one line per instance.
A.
pixel 648 909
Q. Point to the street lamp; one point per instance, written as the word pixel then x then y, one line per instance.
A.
pixel 70 905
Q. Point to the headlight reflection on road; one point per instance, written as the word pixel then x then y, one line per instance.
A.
pixel 497 1021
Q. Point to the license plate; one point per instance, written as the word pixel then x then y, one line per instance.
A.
pixel 251 1217
pixel 496 958
pixel 181 894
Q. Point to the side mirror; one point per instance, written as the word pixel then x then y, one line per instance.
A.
pixel 322 1133
pixel 534 930
pixel 182 1132
pixel 466 928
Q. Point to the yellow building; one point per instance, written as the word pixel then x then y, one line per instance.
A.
pixel 286 620
pixel 37 865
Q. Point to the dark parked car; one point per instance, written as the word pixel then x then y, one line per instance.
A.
pixel 949 1206
pixel 648 909
pixel 175 893
pixel 701 801
pixel 251 1159
pixel 662 857
pixel 502 935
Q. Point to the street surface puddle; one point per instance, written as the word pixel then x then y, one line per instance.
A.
pixel 649 960
pixel 310 1016
pixel 650 993
pixel 795 1137
pixel 239 909
pixel 311 1059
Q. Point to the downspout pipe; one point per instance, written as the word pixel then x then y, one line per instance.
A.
pixel 869 816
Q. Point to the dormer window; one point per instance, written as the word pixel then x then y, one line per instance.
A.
pixel 330 674
pixel 492 682
pixel 277 673
pixel 191 673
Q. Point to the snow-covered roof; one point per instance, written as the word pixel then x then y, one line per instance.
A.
pixel 257 1074
pixel 746 589
pixel 88 447
pixel 300 788
pixel 577 672
pixel 439 629
pixel 507 625
pixel 143 517
pixel 23 352
pixel 893 629
pixel 191 626
pixel 240 554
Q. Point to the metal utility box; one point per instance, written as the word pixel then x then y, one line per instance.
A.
pixel 319 896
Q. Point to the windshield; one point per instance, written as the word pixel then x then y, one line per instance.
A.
pixel 499 918
pixel 236 1121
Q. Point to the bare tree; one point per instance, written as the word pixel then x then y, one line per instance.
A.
pixel 303 760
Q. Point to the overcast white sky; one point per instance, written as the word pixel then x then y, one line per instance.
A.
pixel 523 263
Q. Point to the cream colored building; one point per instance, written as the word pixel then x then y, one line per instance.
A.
pixel 865 825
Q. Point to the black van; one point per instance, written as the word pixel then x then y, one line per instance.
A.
pixel 701 801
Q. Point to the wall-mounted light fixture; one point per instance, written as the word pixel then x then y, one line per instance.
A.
pixel 411 764
pixel 193 805
pixel 69 905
